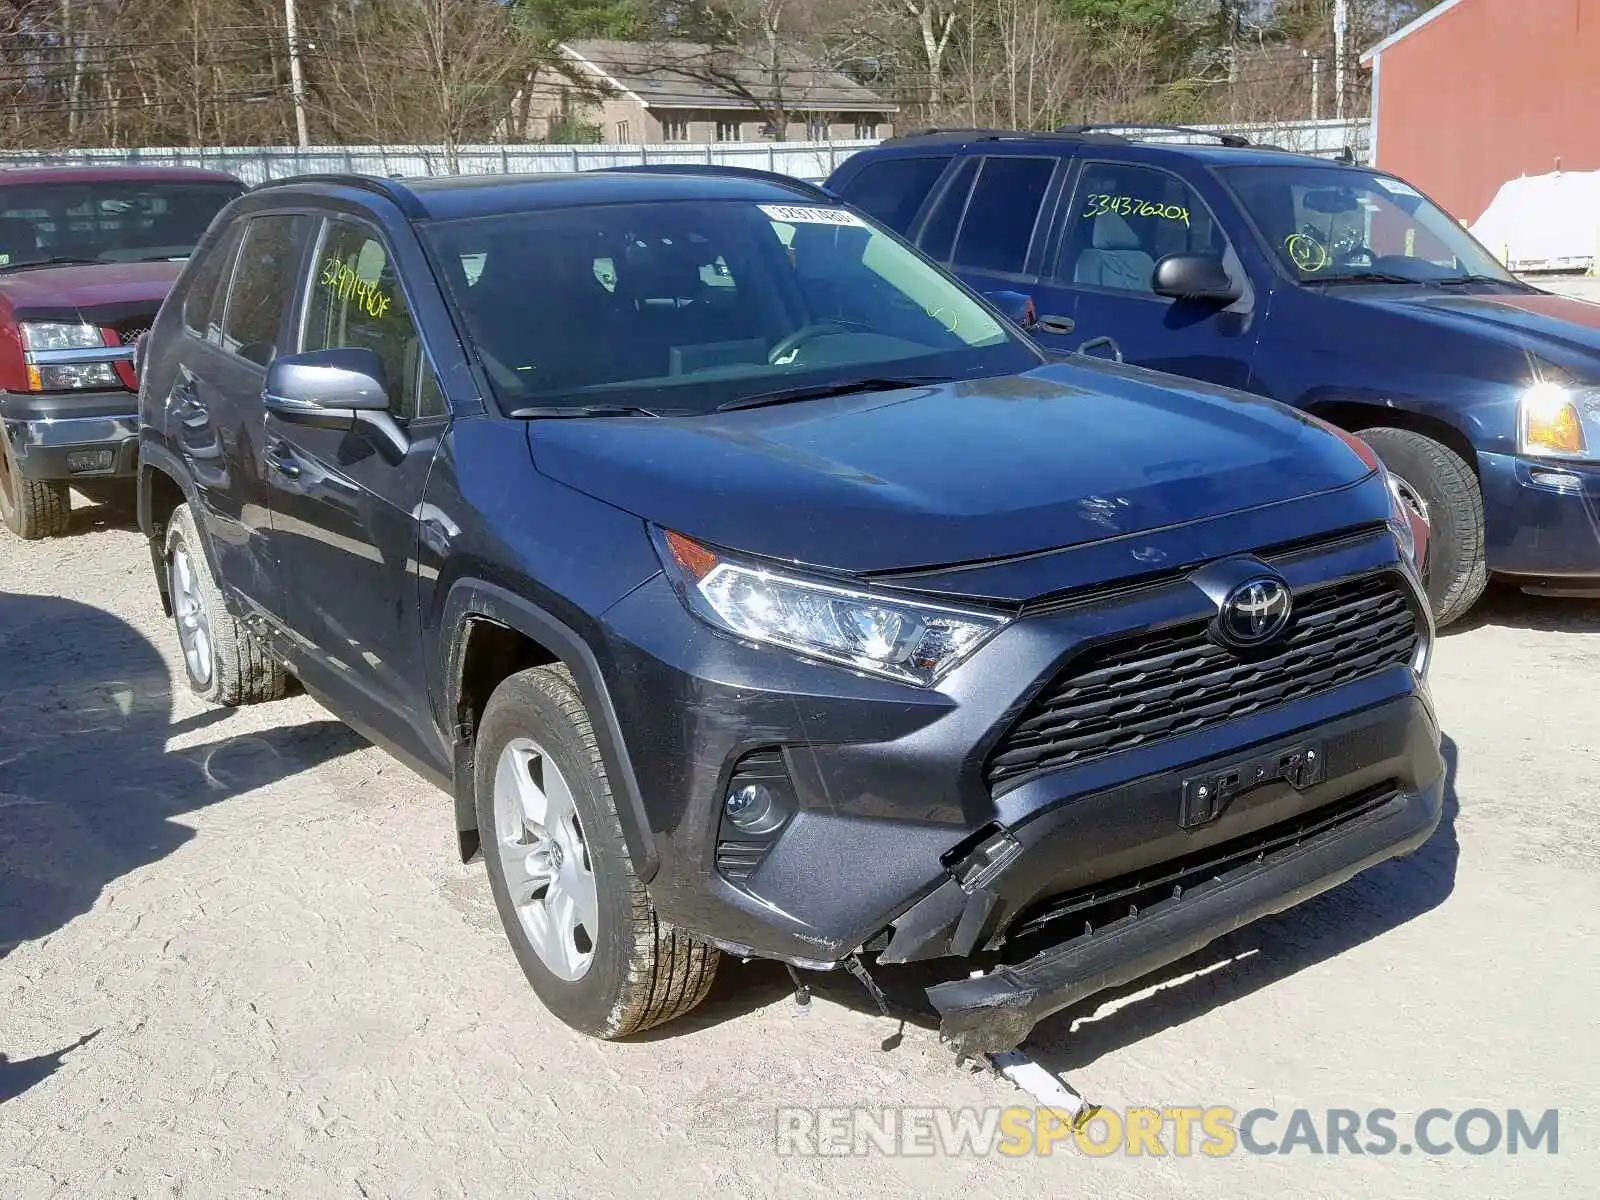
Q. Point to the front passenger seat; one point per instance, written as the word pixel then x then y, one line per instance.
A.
pixel 1117 258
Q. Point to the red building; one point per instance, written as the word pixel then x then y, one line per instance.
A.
pixel 1477 92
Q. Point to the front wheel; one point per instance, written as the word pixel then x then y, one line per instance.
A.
pixel 31 508
pixel 578 919
pixel 1443 485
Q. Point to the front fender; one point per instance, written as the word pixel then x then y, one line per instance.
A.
pixel 470 599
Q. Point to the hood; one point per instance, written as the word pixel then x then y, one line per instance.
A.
pixel 1553 327
pixel 955 473
pixel 117 289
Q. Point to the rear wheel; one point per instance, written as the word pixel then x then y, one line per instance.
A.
pixel 578 919
pixel 1441 484
pixel 31 508
pixel 223 660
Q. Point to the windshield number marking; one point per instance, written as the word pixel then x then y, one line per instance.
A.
pixel 345 283
pixel 1101 204
pixel 795 214
pixel 1306 252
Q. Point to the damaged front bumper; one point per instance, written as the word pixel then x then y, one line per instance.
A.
pixel 996 1011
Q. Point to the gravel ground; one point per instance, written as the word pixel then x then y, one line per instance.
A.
pixel 238 958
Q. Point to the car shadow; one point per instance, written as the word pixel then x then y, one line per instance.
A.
pixel 1510 607
pixel 1378 900
pixel 97 512
pixel 88 789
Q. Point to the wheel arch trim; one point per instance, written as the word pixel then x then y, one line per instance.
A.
pixel 477 599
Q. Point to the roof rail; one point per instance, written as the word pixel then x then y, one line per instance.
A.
pixel 815 190
pixel 1226 139
pixel 401 196
pixel 956 133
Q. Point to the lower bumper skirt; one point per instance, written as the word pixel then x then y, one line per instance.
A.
pixel 996 1012
pixel 67 448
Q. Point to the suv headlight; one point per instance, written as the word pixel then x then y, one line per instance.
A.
pixel 1408 522
pixel 1551 420
pixel 906 640
pixel 44 336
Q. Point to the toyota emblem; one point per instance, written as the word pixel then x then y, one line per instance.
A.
pixel 1255 612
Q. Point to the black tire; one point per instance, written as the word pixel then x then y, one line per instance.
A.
pixel 31 508
pixel 644 972
pixel 242 672
pixel 1447 484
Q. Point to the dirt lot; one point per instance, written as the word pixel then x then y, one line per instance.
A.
pixel 288 986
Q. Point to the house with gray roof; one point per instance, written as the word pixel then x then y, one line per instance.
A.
pixel 654 92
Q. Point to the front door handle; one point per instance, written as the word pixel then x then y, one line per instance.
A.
pixel 1048 323
pixel 281 459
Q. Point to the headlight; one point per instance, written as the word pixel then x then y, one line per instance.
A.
pixel 42 337
pixel 1408 521
pixel 906 640
pixel 1551 418
pixel 53 335
pixel 67 377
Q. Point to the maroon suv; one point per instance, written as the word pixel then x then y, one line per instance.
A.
pixel 87 254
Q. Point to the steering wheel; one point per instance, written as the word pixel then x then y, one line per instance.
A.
pixel 1354 254
pixel 785 350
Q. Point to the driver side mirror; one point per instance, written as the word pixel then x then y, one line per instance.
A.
pixel 1194 277
pixel 333 389
pixel 1017 307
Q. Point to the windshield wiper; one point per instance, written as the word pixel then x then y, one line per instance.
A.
pixel 1452 279
pixel 55 261
pixel 821 391
pixel 1369 277
pixel 562 411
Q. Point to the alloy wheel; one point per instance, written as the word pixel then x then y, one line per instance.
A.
pixel 544 859
pixel 194 630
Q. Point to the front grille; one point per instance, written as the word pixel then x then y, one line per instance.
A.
pixel 133 333
pixel 1159 684
pixel 1110 900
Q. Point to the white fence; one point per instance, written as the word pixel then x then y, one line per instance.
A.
pixel 813 161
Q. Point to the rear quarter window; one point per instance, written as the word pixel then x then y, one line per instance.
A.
pixel 893 189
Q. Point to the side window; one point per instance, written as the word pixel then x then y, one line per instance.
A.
pixel 269 259
pixel 355 301
pixel 203 301
pixel 1125 219
pixel 939 231
pixel 893 190
pixel 1002 213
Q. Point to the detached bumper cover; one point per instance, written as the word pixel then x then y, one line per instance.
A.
pixel 43 429
pixel 996 1012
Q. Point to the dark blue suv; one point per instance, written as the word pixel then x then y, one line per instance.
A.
pixel 753 586
pixel 1340 290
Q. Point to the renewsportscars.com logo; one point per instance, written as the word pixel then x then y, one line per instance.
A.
pixel 1180 1132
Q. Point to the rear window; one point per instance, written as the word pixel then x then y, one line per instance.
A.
pixel 893 190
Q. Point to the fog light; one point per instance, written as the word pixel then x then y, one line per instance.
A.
pixel 79 461
pixel 1564 481
pixel 753 809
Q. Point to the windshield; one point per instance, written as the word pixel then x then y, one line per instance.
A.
pixel 684 306
pixel 110 221
pixel 1326 224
